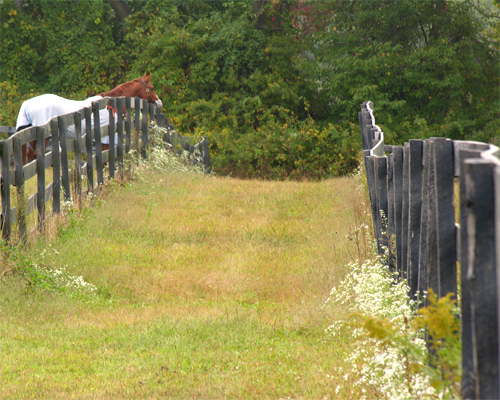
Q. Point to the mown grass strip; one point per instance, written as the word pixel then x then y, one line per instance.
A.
pixel 208 288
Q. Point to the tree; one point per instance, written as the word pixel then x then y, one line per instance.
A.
pixel 421 62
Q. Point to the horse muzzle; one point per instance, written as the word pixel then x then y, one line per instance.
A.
pixel 159 104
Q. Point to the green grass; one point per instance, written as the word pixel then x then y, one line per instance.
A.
pixel 209 288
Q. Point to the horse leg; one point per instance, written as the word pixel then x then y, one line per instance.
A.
pixel 31 151
pixel 23 152
pixel 104 148
pixel 23 147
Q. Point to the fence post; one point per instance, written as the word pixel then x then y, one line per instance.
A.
pixel 206 155
pixel 390 213
pixel 22 208
pixel 119 128
pixel 468 389
pixel 482 276
pixel 397 152
pixel 382 204
pixel 443 164
pixel 5 189
pixel 88 140
pixel 414 211
pixel 138 101
pixel 40 170
pixel 128 123
pixel 98 144
pixel 152 114
pixel 424 218
pixel 61 127
pixel 56 167
pixel 145 107
pixel 111 135
pixel 440 252
pixel 78 157
pixel 496 184
pixel 405 210
pixel 372 191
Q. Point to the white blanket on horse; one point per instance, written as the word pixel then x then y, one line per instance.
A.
pixel 37 111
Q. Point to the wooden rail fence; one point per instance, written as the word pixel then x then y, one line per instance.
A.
pixel 411 191
pixel 84 142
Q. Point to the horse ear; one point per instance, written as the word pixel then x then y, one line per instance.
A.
pixel 148 78
pixel 144 77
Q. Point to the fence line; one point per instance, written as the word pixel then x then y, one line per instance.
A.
pixel 88 142
pixel 411 190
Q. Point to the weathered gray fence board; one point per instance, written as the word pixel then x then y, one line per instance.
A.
pixel 481 273
pixel 8 129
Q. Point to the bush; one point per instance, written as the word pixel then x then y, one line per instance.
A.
pixel 305 150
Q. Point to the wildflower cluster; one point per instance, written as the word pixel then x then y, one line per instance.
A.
pixel 163 157
pixel 57 279
pixel 60 280
pixel 16 266
pixel 390 354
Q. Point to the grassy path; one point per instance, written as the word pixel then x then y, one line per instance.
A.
pixel 209 288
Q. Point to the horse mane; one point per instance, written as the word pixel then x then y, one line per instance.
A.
pixel 118 91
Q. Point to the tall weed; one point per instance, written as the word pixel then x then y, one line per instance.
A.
pixel 391 359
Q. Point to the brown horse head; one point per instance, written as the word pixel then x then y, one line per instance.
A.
pixel 140 87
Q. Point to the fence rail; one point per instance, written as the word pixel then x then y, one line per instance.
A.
pixel 89 142
pixel 412 189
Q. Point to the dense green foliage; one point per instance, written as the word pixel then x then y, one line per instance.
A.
pixel 425 64
pixel 275 85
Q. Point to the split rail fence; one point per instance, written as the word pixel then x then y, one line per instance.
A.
pixel 65 175
pixel 411 191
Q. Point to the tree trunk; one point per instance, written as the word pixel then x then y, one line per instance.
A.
pixel 121 8
pixel 257 8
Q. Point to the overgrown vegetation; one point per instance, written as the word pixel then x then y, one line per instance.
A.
pixel 391 359
pixel 275 85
